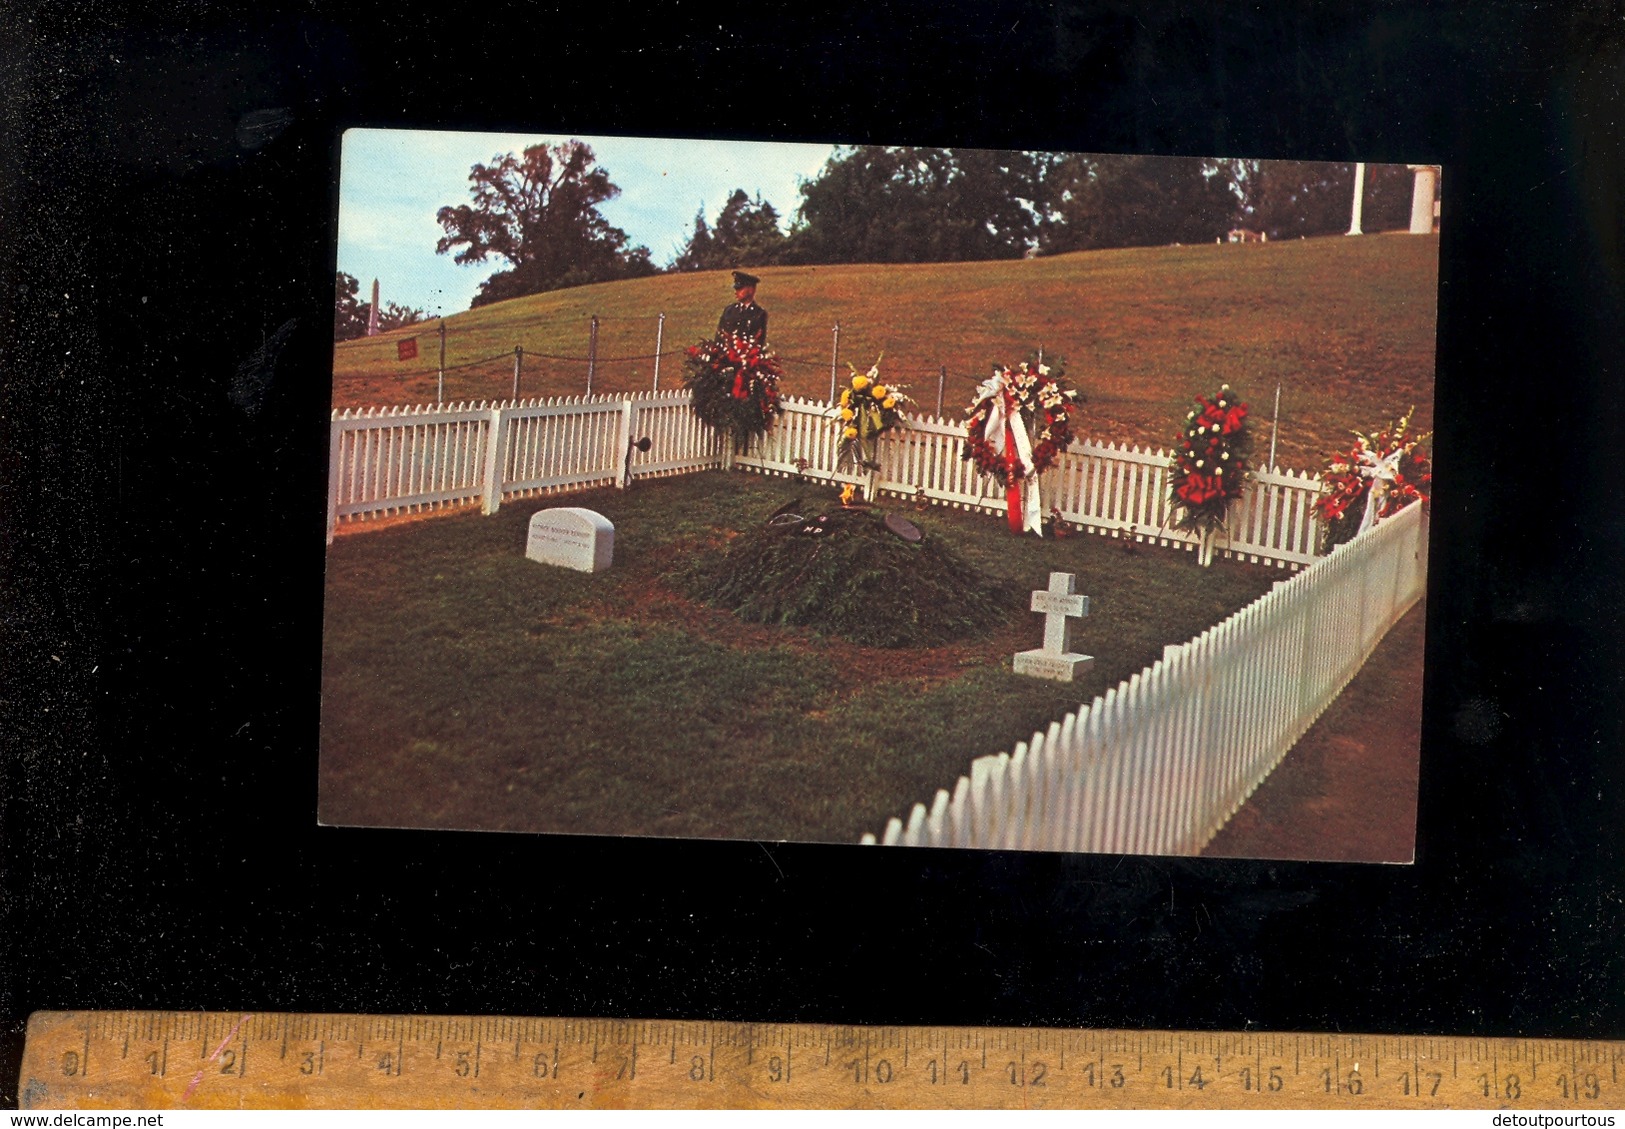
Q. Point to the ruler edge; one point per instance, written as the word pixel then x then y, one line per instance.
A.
pixel 44 1022
pixel 53 1018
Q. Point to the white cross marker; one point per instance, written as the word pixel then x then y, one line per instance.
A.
pixel 1060 603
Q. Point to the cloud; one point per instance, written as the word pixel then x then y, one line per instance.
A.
pixel 392 182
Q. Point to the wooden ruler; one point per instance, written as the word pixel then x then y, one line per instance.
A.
pixel 138 1060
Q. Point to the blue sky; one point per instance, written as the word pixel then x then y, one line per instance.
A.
pixel 392 182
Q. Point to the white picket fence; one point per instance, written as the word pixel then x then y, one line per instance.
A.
pixel 1110 489
pixel 1159 763
pixel 395 460
pixel 1156 765
pixel 392 460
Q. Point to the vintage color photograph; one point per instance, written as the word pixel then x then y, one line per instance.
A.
pixel 879 494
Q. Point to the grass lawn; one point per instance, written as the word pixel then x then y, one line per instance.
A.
pixel 467 687
pixel 1345 325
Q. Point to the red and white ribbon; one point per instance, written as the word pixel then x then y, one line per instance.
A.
pixel 1007 433
pixel 1381 472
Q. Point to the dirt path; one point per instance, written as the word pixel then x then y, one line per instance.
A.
pixel 1347 790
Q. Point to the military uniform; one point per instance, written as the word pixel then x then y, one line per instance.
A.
pixel 744 319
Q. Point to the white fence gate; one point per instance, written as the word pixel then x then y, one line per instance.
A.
pixel 395 460
pixel 1159 763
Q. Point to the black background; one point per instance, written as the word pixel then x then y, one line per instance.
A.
pixel 169 207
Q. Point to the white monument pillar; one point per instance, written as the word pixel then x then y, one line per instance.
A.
pixel 372 314
pixel 1359 198
pixel 1427 182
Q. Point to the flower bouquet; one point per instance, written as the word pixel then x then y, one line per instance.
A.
pixel 1019 423
pixel 1387 470
pixel 734 383
pixel 868 408
pixel 1209 469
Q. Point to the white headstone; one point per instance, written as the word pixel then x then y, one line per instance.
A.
pixel 571 537
pixel 1056 659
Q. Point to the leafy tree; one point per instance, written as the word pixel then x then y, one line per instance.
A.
pixel 1388 190
pixel 349 312
pixel 1301 198
pixel 538 212
pixel 698 254
pixel 993 199
pixel 892 204
pixel 746 233
pixel 748 230
pixel 394 316
pixel 1135 201
pixel 1289 199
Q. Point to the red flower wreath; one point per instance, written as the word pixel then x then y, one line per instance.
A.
pixel 1209 469
pixel 1045 405
pixel 1341 504
pixel 734 383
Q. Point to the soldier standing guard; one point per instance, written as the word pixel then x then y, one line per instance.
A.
pixel 744 318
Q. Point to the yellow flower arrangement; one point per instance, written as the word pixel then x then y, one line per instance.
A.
pixel 868 408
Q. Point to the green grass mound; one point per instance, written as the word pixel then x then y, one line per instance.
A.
pixel 844 573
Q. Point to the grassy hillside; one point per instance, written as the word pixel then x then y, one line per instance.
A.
pixel 1345 326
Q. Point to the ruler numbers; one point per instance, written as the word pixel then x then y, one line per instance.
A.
pixel 141 1059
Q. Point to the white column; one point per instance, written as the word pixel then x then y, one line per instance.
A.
pixel 1359 198
pixel 1427 181
pixel 372 314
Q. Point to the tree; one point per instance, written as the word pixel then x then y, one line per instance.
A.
pixel 351 315
pixel 349 312
pixel 1302 198
pixel 394 316
pixel 1388 190
pixel 698 254
pixel 892 204
pixel 1135 201
pixel 992 201
pixel 539 213
pixel 1289 199
pixel 746 233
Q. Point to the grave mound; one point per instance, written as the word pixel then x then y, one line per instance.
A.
pixel 846 572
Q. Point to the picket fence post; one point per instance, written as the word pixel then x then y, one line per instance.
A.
pixel 335 452
pixel 493 462
pixel 624 443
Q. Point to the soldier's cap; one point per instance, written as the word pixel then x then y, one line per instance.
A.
pixel 742 280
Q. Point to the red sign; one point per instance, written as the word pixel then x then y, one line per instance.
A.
pixel 406 348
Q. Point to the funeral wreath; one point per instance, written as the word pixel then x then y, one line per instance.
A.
pixel 1379 475
pixel 1209 468
pixel 734 383
pixel 1017 426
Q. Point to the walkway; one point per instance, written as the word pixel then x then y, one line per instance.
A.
pixel 1347 791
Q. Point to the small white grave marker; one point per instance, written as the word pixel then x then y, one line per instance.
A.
pixel 1055 659
pixel 571 537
